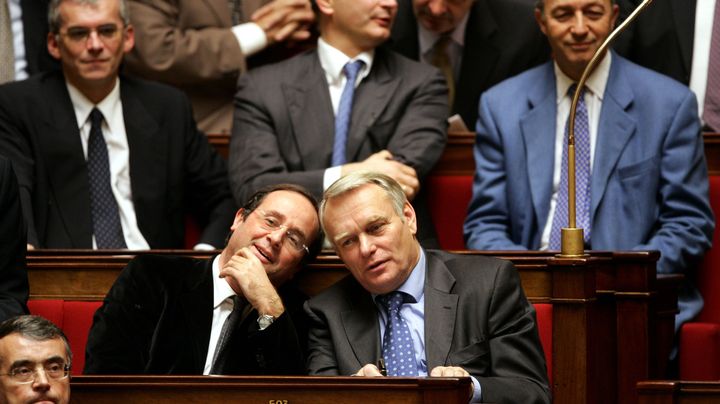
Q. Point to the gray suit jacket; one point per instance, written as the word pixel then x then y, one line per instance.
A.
pixel 476 317
pixel 284 122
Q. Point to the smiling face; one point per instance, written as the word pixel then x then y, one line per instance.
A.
pixel 291 213
pixel 575 30
pixel 376 243
pixel 355 26
pixel 91 63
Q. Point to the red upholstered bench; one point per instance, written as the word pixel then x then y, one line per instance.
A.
pixel 448 197
pixel 700 339
pixel 74 318
pixel 545 327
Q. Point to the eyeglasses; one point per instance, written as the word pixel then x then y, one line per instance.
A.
pixel 106 33
pixel 28 374
pixel 272 224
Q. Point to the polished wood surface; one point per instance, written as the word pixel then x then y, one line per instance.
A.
pixel 612 317
pixel 457 159
pixel 678 392
pixel 268 390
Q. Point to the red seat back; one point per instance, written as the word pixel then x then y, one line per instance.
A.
pixel 448 197
pixel 545 326
pixel 709 277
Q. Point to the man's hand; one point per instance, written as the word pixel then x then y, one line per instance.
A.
pixel 30 247
pixel 248 277
pixel 449 371
pixel 285 19
pixel 383 162
pixel 368 370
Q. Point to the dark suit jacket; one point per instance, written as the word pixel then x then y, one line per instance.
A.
pixel 173 169
pixel 284 123
pixel 476 317
pixel 661 38
pixel 502 39
pixel 156 319
pixel 35 31
pixel 14 287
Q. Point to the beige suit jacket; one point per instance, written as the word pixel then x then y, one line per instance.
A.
pixel 189 44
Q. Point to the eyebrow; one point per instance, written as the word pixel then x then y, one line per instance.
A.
pixel 26 362
pixel 283 218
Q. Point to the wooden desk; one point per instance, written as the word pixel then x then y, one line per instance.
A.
pixel 612 318
pixel 678 392
pixel 267 390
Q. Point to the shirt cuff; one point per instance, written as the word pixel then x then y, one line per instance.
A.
pixel 331 175
pixel 477 391
pixel 203 247
pixel 250 37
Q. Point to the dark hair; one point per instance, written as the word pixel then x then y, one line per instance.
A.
pixel 36 328
pixel 55 20
pixel 260 195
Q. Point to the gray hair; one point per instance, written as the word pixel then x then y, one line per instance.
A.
pixel 356 180
pixel 36 328
pixel 540 4
pixel 55 21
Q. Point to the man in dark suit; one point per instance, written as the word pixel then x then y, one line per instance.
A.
pixel 14 287
pixel 288 121
pixel 465 315
pixel 490 40
pixel 157 166
pixel 168 315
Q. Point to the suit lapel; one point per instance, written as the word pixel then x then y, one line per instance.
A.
pixel 371 98
pixel 59 143
pixel 148 154
pixel 310 109
pixel 196 306
pixel 538 129
pixel 440 311
pixel 361 326
pixel 683 12
pixel 615 129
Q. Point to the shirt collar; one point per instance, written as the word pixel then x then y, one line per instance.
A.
pixel 414 285
pixel 596 83
pixel 83 106
pixel 221 289
pixel 333 60
pixel 427 39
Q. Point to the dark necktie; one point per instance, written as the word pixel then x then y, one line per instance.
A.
pixel 222 349
pixel 441 59
pixel 105 214
pixel 7 52
pixel 397 347
pixel 711 110
pixel 342 119
pixel 582 176
pixel 236 11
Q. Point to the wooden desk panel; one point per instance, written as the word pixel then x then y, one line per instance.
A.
pixel 678 392
pixel 268 390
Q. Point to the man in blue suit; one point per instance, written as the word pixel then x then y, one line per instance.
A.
pixel 647 187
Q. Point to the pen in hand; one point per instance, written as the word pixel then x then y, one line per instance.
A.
pixel 381 367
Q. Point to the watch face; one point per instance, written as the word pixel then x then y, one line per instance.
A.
pixel 265 320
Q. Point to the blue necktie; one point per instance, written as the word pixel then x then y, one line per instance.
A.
pixel 105 214
pixel 342 119
pixel 397 347
pixel 582 177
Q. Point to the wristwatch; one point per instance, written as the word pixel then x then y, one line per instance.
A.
pixel 264 321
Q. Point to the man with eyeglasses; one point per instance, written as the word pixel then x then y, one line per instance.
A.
pixel 35 361
pixel 103 160
pixel 233 314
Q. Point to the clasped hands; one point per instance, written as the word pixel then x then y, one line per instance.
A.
pixel 384 162
pixel 285 20
pixel 248 277
pixel 438 371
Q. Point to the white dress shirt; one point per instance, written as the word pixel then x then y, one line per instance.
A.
pixel 704 16
pixel 113 128
pixel 18 39
pixel 595 86
pixel 250 37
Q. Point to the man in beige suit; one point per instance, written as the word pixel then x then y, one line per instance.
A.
pixel 201 46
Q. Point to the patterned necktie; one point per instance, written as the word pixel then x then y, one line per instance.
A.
pixel 7 52
pixel 236 11
pixel 441 59
pixel 105 214
pixel 711 110
pixel 342 119
pixel 582 176
pixel 222 349
pixel 397 347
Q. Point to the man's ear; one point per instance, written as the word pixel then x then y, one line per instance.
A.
pixel 238 219
pixel 410 217
pixel 128 38
pixel 540 19
pixel 53 46
pixel 326 6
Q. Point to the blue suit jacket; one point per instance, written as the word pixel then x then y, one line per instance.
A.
pixel 649 187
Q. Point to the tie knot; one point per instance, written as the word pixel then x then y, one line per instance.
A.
pixel 573 88
pixel 96 117
pixel 351 69
pixel 393 300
